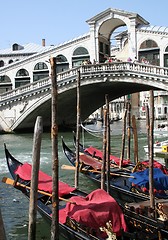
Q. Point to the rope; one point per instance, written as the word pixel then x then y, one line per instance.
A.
pixel 95 133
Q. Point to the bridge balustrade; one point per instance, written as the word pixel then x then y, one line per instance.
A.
pixel 66 76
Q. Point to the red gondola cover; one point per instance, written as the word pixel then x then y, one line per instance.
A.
pixel 45 181
pixel 94 211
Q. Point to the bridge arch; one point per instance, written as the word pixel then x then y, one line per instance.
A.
pixel 106 30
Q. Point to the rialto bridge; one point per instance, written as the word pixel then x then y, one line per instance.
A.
pixel 21 106
pixel 25 88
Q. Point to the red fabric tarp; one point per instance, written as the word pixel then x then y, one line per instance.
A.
pixel 88 160
pixel 156 164
pixel 94 211
pixel 97 153
pixel 44 180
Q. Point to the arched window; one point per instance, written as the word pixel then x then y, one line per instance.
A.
pixel 166 57
pixel 148 44
pixel 10 61
pixel 1 63
pixel 61 58
pixel 40 71
pixel 22 78
pixel 149 52
pixel 7 85
pixel 40 66
pixel 80 51
pixel 62 63
pixel 80 54
pixel 22 72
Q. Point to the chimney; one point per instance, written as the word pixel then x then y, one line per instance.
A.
pixel 43 42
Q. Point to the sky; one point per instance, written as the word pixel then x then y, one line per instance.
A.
pixel 58 21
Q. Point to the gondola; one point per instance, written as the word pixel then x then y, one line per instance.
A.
pixel 152 224
pixel 96 153
pixel 74 213
pixel 122 185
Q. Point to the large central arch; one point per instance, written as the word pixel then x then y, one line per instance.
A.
pixel 103 24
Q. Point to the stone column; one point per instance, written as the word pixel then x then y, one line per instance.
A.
pixel 94 43
pixel 132 39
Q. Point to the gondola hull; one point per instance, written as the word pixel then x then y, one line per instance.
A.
pixel 46 210
pixel 44 205
pixel 120 188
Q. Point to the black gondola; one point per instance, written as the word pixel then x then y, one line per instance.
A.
pixel 152 224
pixel 71 229
pixel 121 186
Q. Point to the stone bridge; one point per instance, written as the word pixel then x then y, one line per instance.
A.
pixel 21 106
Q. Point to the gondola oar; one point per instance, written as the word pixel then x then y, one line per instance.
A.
pixel 12 182
pixel 67 167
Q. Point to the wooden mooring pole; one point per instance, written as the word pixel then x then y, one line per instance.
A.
pixel 108 145
pixel 34 178
pixel 151 193
pixel 77 131
pixel 135 139
pixel 129 130
pixel 54 138
pixel 123 139
pixel 104 148
pixel 147 125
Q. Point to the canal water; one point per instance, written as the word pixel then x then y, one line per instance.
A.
pixel 14 206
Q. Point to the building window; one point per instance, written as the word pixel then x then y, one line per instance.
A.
pixel 1 63
pixel 40 71
pixel 79 56
pixel 16 47
pixel 10 61
pixel 40 66
pixel 22 72
pixel 80 51
pixel 148 44
pixel 149 52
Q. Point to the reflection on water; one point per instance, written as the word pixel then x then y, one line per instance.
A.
pixel 14 205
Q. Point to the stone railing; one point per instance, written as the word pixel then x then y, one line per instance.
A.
pixel 66 76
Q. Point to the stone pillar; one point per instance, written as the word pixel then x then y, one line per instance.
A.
pixel 132 39
pixel 161 55
pixel 93 43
